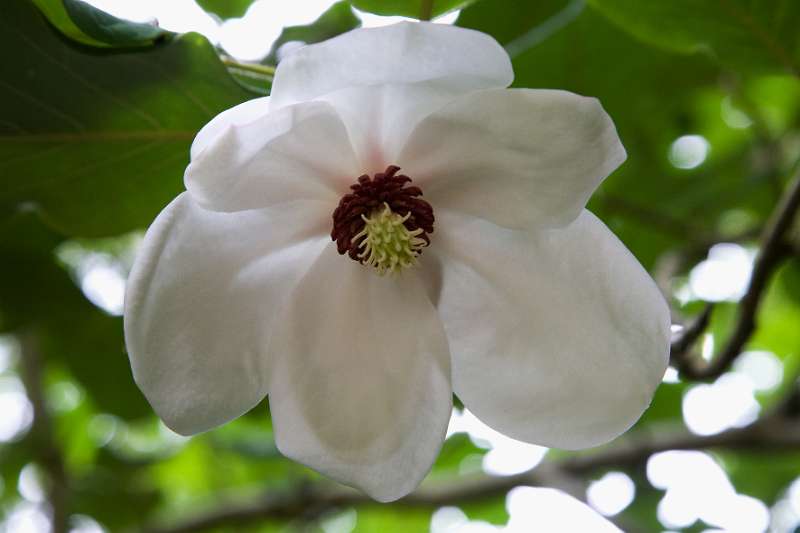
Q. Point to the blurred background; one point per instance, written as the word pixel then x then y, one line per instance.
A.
pixel 97 111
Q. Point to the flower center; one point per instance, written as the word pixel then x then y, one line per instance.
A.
pixel 383 223
pixel 386 243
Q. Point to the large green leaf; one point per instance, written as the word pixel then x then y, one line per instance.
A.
pixel 759 35
pixel 97 142
pixel 88 25
pixel 409 8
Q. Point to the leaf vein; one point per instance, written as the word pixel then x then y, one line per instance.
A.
pixel 187 93
pixel 77 124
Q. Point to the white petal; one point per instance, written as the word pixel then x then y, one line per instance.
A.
pixel 451 58
pixel 201 300
pixel 559 338
pixel 520 158
pixel 380 118
pixel 363 392
pixel 297 152
pixel 241 114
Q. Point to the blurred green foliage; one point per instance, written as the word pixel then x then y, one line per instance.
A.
pixel 96 118
pixel 748 36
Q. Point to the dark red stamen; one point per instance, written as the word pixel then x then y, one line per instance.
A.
pixel 369 195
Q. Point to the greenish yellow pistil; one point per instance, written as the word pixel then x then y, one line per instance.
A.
pixel 386 243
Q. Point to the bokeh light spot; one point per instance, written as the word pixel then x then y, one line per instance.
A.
pixel 612 493
pixel 688 151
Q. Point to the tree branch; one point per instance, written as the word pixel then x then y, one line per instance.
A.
pixel 43 441
pixel 774 432
pixel 773 251
pixel 767 435
pixel 683 342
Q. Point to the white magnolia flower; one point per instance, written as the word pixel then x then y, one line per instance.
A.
pixel 516 298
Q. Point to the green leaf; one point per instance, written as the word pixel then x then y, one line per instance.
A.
pixel 338 19
pixel 409 8
pixel 88 25
pixel 109 29
pixel 97 142
pixel 748 35
pixel 226 9
pixel 57 15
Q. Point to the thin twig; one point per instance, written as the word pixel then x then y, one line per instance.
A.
pixel 773 251
pixel 264 70
pixel 683 342
pixel 43 441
